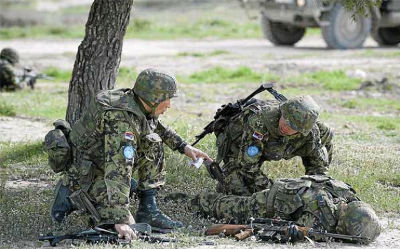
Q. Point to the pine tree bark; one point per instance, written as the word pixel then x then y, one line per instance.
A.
pixel 99 54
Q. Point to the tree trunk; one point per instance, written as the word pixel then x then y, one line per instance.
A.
pixel 99 54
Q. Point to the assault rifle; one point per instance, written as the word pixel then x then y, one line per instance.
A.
pixel 231 109
pixel 282 231
pixel 31 76
pixel 100 235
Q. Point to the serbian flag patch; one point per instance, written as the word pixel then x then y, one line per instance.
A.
pixel 258 135
pixel 129 135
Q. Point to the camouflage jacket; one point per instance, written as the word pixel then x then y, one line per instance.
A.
pixel 8 76
pixel 257 128
pixel 115 121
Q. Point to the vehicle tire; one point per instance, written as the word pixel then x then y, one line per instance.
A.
pixel 387 36
pixel 280 33
pixel 344 32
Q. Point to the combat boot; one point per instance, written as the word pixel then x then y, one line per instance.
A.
pixel 62 206
pixel 149 213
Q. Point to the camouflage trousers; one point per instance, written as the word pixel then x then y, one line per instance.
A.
pixel 239 181
pixel 230 208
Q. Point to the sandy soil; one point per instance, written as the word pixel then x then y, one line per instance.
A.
pixel 21 129
pixel 309 54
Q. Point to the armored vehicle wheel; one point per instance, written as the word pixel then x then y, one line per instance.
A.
pixel 281 33
pixel 387 36
pixel 344 32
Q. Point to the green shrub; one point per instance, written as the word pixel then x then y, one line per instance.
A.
pixel 7 109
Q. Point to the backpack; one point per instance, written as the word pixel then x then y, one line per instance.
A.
pixel 58 147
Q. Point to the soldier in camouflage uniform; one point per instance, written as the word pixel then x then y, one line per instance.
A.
pixel 120 133
pixel 9 75
pixel 270 131
pixel 313 200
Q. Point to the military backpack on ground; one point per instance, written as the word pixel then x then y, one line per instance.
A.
pixel 58 146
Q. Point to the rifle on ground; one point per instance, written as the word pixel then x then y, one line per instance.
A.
pixel 100 235
pixel 31 76
pixel 281 231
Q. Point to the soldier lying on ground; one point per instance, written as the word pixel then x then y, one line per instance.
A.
pixel 13 78
pixel 314 201
pixel 269 130
pixel 119 133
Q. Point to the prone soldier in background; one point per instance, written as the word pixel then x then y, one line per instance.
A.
pixel 13 78
pixel 270 131
pixel 118 134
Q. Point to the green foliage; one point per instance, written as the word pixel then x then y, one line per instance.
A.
pixel 220 74
pixel 27 153
pixel 198 54
pixel 371 104
pixel 329 80
pixel 42 103
pixel 58 74
pixel 379 53
pixel 126 77
pixel 386 125
pixel 7 109
pixel 44 31
pixel 351 104
pixel 360 7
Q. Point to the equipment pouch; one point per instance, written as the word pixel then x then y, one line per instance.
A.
pixel 59 150
pixel 86 173
pixel 81 201
pixel 288 199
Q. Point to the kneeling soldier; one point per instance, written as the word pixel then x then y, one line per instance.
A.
pixel 119 133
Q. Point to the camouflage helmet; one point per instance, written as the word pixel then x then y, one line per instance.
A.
pixel 10 55
pixel 154 86
pixel 359 219
pixel 300 113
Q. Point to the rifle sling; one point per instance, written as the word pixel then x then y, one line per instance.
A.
pixel 270 210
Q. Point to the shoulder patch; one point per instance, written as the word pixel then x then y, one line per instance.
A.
pixel 129 136
pixel 129 152
pixel 258 135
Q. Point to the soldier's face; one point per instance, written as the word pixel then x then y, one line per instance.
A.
pixel 285 129
pixel 162 107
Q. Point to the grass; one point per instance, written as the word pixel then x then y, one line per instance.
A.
pixel 7 109
pixel 368 157
pixel 28 153
pixel 58 75
pixel 145 29
pixel 371 104
pixel 378 53
pixel 220 74
pixel 198 54
pixel 330 80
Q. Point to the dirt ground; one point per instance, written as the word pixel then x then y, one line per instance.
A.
pixel 309 55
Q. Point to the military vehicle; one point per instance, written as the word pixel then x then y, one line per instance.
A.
pixel 284 22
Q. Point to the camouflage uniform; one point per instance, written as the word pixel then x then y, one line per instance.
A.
pixel 313 201
pixel 9 75
pixel 253 137
pixel 112 139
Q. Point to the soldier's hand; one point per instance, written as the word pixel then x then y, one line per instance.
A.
pixel 194 153
pixel 125 231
